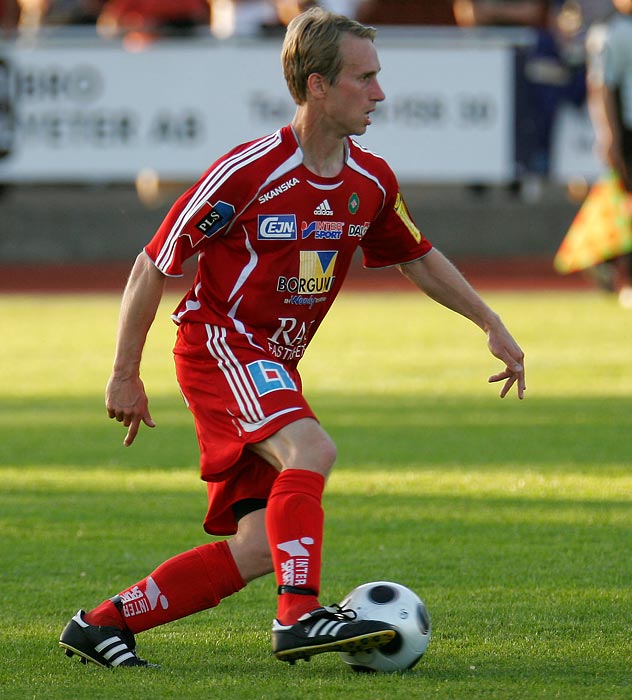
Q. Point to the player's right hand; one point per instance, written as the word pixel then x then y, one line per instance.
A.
pixel 126 401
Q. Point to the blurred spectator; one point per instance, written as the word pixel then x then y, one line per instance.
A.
pixel 31 15
pixel 550 72
pixel 9 15
pixel 34 14
pixel 555 70
pixel 250 17
pixel 476 13
pixel 72 12
pixel 284 12
pixel 149 19
pixel 396 12
pixel 511 13
pixel 240 17
pixel 571 23
pixel 287 10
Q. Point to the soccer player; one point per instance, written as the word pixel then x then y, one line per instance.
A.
pixel 274 224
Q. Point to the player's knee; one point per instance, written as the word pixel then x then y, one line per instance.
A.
pixel 300 445
pixel 327 454
pixel 318 454
pixel 316 451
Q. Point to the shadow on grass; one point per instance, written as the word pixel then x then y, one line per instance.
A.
pixel 455 534
pixel 373 430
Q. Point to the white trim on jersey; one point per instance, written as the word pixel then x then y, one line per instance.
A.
pixel 237 377
pixel 190 305
pixel 354 165
pixel 320 186
pixel 247 269
pixel 239 326
pixel 292 162
pixel 210 184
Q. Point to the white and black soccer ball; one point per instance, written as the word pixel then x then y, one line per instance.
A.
pixel 405 611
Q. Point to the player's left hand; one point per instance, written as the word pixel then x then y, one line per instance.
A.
pixel 504 347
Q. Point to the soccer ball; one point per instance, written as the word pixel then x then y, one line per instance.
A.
pixel 401 608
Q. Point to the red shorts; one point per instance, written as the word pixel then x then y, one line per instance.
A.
pixel 238 395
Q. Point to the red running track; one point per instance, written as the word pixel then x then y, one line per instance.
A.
pixel 518 274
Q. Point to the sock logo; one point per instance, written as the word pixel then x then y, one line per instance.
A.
pixel 295 547
pixel 135 602
pixel 154 595
pixel 295 570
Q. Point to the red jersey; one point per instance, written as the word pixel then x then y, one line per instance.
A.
pixel 275 241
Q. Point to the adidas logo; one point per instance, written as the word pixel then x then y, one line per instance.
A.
pixel 323 209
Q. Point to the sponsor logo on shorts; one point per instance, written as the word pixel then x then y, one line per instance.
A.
pixel 269 376
pixel 276 227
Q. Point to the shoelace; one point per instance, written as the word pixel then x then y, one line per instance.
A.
pixel 335 612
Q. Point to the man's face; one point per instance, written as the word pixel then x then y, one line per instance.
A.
pixel 350 101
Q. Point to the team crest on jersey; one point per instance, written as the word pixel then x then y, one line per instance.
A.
pixel 354 203
pixel 276 227
pixel 215 218
pixel 315 274
pixel 402 212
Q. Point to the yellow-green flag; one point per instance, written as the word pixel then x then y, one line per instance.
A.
pixel 601 230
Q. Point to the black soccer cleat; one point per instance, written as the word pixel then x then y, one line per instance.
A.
pixel 108 647
pixel 327 629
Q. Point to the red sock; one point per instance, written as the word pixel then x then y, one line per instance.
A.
pixel 185 584
pixel 294 522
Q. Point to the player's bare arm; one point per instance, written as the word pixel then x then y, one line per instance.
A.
pixel 125 397
pixel 437 277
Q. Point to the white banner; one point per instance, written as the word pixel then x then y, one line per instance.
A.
pixel 94 112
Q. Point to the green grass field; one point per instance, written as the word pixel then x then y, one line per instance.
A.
pixel 512 520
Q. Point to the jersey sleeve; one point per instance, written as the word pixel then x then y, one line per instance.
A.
pixel 204 211
pixel 393 237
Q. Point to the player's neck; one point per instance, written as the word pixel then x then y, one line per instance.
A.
pixel 323 153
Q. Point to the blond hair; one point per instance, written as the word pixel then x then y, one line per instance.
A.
pixel 311 45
